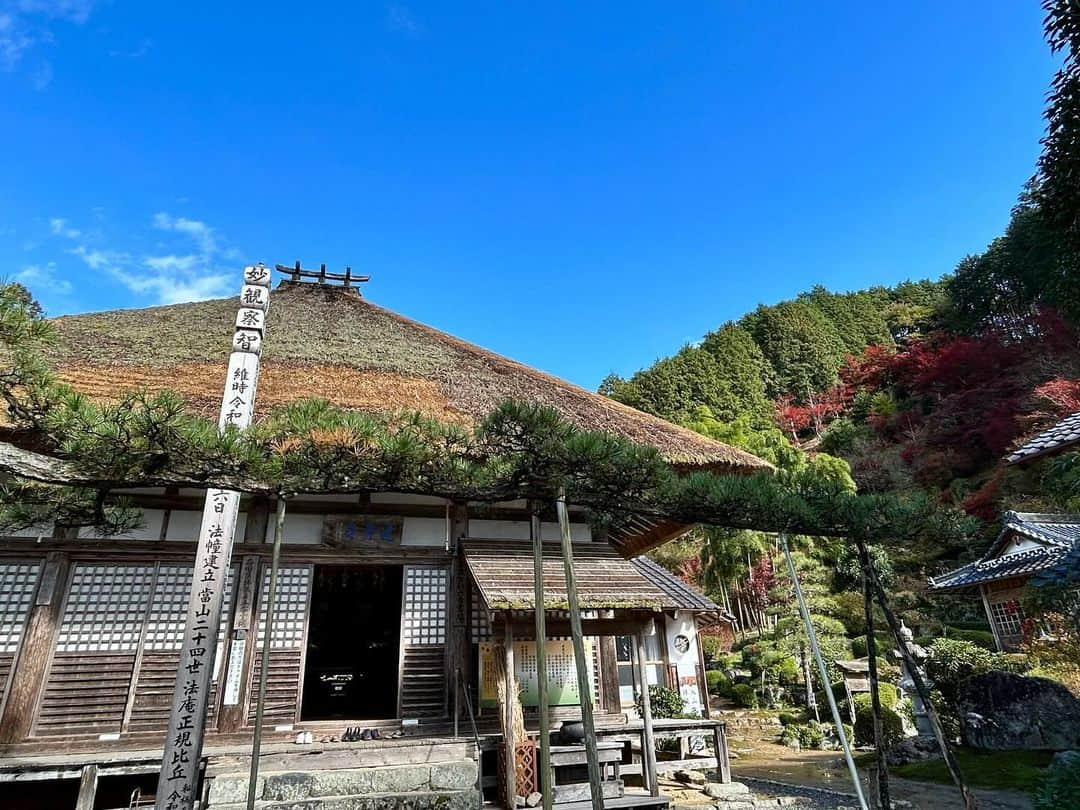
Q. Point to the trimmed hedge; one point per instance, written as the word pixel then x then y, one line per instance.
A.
pixel 892 727
pixel 718 683
pixel 744 696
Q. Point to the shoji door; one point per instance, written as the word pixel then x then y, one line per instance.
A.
pixel 285 679
pixel 17 583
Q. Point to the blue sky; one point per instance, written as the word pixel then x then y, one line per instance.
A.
pixel 582 186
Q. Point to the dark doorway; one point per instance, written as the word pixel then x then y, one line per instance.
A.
pixel 353 636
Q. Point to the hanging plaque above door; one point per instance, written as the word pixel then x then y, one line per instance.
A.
pixel 362 532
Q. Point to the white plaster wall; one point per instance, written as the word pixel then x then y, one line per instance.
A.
pixel 150 530
pixel 299 529
pixel 184 525
pixel 685 663
pixel 1019 544
pixel 420 531
pixel 519 530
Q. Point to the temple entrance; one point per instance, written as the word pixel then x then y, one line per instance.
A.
pixel 353 642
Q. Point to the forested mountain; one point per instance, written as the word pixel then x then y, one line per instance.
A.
pixel 918 389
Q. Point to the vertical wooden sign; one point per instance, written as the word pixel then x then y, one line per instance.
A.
pixel 187 720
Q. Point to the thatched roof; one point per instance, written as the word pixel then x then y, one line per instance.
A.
pixel 326 341
pixel 503 573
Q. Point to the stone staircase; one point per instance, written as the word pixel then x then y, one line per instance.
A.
pixel 442 785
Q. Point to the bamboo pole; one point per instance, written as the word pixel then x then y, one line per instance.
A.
pixel 543 710
pixel 875 695
pixel 648 740
pixel 584 686
pixel 823 672
pixel 256 741
pixel 920 687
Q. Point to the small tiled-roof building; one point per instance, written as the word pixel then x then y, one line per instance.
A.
pixel 1060 437
pixel 1029 544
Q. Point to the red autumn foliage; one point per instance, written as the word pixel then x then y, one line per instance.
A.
pixel 1060 395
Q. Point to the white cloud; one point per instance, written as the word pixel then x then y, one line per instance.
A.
pixel 189 262
pixel 171 263
pixel 25 24
pixel 44 280
pixel 59 227
pixel 76 11
pixel 169 288
pixel 201 233
pixel 97 259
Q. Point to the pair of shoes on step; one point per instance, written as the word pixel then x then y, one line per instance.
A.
pixel 355 733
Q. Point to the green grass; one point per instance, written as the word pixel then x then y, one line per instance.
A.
pixel 994 770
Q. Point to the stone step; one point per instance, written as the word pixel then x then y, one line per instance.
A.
pixel 417 800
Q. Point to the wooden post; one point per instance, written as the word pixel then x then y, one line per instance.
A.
pixel 509 741
pixel 268 635
pixel 459 649
pixel 875 697
pixel 546 782
pixel 924 693
pixel 723 759
pixel 87 788
pixel 179 774
pixel 648 740
pixel 29 668
pixel 241 652
pixel 580 664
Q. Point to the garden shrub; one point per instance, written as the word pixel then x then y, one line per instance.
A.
pixel 712 648
pixel 665 703
pixel 811 735
pixel 954 660
pixel 892 727
pixel 718 683
pixel 887 694
pixel 1060 786
pixel 984 638
pixel 744 696
pixel 791 718
pixel 884 644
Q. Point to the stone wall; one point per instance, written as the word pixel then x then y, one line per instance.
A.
pixel 443 785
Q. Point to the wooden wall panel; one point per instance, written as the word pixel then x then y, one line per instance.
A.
pixel 283 685
pixel 86 693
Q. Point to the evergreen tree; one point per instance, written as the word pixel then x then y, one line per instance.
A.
pixel 802 345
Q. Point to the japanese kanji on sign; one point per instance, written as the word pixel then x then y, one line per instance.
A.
pixel 183 742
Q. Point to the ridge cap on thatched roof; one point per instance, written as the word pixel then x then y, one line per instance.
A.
pixel 385 362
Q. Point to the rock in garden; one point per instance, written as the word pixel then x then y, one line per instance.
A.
pixel 690 777
pixel 731 791
pixel 913 749
pixel 534 799
pixel 1001 711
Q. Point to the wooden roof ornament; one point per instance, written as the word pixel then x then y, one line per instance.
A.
pixel 331 343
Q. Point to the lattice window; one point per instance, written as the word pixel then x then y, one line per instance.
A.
pixel 168 608
pixel 105 608
pixel 424 620
pixel 479 626
pixel 17 581
pixel 290 608
pixel 1007 616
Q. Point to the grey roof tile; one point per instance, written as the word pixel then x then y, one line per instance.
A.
pixel 1060 437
